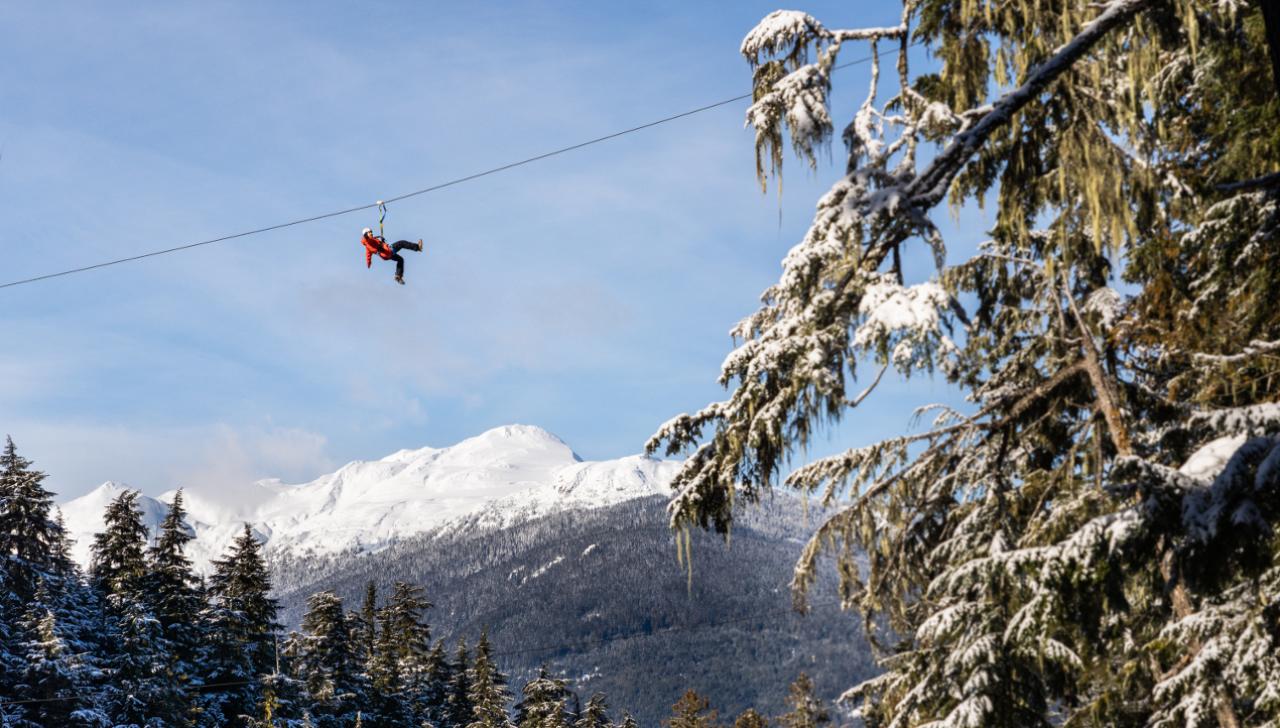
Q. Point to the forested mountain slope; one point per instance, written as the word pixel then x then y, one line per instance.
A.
pixel 598 595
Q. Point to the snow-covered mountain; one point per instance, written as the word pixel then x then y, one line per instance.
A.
pixel 502 477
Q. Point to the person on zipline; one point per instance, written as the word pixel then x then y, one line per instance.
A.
pixel 376 245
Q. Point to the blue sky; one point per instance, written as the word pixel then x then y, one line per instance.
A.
pixel 590 294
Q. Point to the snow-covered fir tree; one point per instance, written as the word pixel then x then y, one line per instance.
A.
pixel 488 692
pixel 460 708
pixel 1092 540
pixel 51 623
pixel 119 564
pixel 433 701
pixel 595 714
pixel 328 663
pixel 28 530
pixel 384 664
pixel 365 627
pixel 240 619
pixel 543 702
pixel 172 594
pixel 405 643
pixel 142 688
pixel 388 703
pixel 62 655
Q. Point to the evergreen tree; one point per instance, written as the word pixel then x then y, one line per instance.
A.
pixel 543 702
pixel 29 538
pixel 406 641
pixel 284 699
pixel 806 710
pixel 628 721
pixel 692 711
pixel 384 666
pixel 389 703
pixel 22 566
pixel 240 622
pixel 61 658
pixel 142 689
pixel 282 703
pixel 595 715
pixel 460 709
pixel 487 693
pixel 119 562
pixel 749 718
pixel 366 632
pixel 1092 540
pixel 50 622
pixel 328 664
pixel 431 701
pixel 172 594
pixel 240 581
pixel 60 561
pixel 13 664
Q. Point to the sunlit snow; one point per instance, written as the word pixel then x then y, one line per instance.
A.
pixel 506 475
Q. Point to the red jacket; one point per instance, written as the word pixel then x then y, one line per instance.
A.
pixel 374 244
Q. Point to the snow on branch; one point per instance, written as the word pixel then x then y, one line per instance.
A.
pixel 1255 348
pixel 902 324
pixel 778 31
pixel 1252 420
pixel 789 32
pixel 832 299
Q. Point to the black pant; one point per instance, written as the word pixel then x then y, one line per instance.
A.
pixel 396 247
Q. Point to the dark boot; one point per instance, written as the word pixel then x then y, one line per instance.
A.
pixel 400 280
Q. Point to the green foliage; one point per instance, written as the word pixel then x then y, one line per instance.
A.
pixel 487 692
pixel 31 542
pixel 119 564
pixel 328 662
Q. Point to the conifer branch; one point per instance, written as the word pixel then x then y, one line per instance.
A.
pixel 931 186
pixel 1103 385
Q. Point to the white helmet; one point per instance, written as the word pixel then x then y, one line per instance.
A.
pixel 367 231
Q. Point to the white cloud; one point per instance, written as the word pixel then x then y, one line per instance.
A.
pixel 215 458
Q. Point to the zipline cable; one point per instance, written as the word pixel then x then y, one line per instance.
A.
pixel 545 648
pixel 415 193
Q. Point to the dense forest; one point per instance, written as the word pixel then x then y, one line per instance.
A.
pixel 140 640
pixel 599 594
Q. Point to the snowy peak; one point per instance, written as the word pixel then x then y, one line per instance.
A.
pixel 496 479
pixel 512 447
pixel 634 476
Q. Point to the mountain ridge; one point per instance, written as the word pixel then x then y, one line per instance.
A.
pixel 503 476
